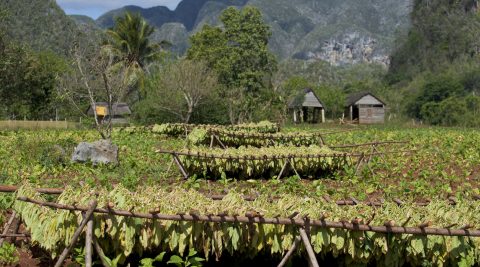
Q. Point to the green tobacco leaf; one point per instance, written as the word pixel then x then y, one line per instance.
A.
pixel 174 259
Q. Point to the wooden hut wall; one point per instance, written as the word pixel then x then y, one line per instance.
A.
pixel 369 114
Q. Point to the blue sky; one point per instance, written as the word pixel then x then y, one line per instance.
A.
pixel 95 8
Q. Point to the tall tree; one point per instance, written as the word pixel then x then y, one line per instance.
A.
pixel 239 53
pixel 27 82
pixel 94 78
pixel 179 88
pixel 130 43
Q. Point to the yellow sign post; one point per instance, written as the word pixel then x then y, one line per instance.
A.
pixel 101 111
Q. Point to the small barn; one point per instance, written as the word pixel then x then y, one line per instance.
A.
pixel 307 107
pixel 120 112
pixel 365 108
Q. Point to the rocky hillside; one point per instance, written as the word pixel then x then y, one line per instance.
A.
pixel 338 31
pixel 41 24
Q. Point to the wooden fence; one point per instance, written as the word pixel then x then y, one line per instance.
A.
pixel 33 125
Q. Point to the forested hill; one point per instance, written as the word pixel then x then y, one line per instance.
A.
pixel 340 32
pixel 443 32
pixel 41 24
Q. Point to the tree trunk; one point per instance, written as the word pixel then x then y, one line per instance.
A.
pixel 189 114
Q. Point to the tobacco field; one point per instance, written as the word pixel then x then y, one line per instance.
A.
pixel 430 181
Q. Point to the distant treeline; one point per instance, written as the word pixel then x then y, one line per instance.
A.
pixel 229 75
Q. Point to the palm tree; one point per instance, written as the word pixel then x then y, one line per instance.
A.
pixel 131 47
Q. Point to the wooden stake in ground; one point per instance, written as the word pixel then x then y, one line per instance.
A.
pixel 308 247
pixel 100 253
pixel 180 166
pixel 7 227
pixel 16 228
pixel 89 243
pixel 290 252
pixel 66 251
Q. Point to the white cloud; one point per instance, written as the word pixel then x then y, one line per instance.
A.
pixel 94 8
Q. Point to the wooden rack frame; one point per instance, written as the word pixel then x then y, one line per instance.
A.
pixel 422 229
pixel 304 224
pixel 362 158
pixel 304 227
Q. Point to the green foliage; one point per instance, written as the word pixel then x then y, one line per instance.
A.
pixel 190 260
pixel 239 54
pixel 179 88
pixel 444 99
pixel 8 254
pixel 442 33
pixel 148 262
pixel 28 82
pixel 130 43
pixel 42 25
pixel 198 136
pixel 130 38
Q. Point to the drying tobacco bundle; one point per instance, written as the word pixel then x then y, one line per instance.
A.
pixel 121 237
pixel 177 129
pixel 245 138
pixel 267 162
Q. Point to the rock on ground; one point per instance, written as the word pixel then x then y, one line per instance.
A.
pixel 102 151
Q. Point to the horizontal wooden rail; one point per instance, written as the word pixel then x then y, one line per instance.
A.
pixel 261 220
pixel 48 191
pixel 346 202
pixel 14 235
pixel 304 156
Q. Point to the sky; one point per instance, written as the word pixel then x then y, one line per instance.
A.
pixel 95 8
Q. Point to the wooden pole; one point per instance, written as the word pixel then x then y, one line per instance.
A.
pixel 7 227
pixel 51 191
pixel 290 252
pixel 220 142
pixel 16 228
pixel 302 156
pixel 308 247
pixel 66 251
pixel 89 243
pixel 283 169
pixel 359 163
pixel 293 167
pixel 347 202
pixel 211 140
pixel 180 166
pixel 14 235
pixel 100 253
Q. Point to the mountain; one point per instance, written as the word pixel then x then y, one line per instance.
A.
pixel 41 24
pixel 338 31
